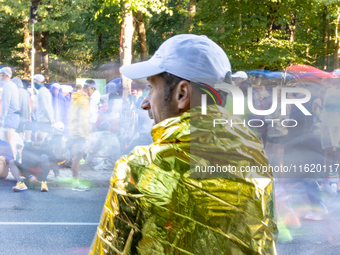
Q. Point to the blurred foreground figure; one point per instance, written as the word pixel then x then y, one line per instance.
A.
pixel 104 149
pixel 79 132
pixel 24 105
pixel 37 160
pixel 7 162
pixel 330 129
pixel 58 144
pixel 153 206
pixel 91 88
pixel 10 107
pixel 45 112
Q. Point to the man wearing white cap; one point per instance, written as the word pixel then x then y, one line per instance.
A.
pixel 45 113
pixel 91 88
pixel 10 107
pixel 159 203
pixel 239 78
pixel 38 80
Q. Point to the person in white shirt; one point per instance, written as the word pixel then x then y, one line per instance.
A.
pixel 90 87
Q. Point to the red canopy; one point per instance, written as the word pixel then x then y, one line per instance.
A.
pixel 306 71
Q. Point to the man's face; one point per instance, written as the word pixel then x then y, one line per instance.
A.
pixel 2 76
pixel 89 91
pixel 37 82
pixel 238 80
pixel 55 92
pixel 155 103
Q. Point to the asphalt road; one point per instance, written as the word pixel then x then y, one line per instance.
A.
pixel 63 221
pixel 67 220
pixel 313 237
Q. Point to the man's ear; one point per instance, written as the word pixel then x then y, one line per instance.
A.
pixel 182 95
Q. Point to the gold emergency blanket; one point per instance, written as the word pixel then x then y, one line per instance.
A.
pixel 154 207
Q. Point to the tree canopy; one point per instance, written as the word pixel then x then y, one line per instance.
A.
pixel 76 37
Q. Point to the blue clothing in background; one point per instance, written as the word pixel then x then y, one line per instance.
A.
pixel 61 105
pixel 6 151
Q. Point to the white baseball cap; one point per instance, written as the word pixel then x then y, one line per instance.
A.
pixel 187 56
pixel 7 71
pixel 240 74
pixel 55 85
pixel 39 77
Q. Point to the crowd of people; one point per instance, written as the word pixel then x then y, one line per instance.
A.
pixel 44 128
pixel 152 194
pixel 312 141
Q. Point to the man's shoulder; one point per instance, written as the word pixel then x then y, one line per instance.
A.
pixel 42 92
pixel 9 85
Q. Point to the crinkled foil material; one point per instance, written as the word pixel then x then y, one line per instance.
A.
pixel 154 207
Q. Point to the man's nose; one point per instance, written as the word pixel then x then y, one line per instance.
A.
pixel 146 103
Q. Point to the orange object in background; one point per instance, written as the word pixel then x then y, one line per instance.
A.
pixel 306 71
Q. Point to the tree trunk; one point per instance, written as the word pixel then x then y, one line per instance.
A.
pixel 329 40
pixel 37 45
pixel 38 53
pixel 307 39
pixel 292 28
pixel 26 50
pixel 126 44
pixel 270 28
pixel 324 37
pixel 192 11
pixel 141 36
pixel 44 44
pixel 336 42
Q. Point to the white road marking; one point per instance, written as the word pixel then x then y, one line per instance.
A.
pixel 51 223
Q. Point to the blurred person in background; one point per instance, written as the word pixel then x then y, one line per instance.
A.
pixel 45 112
pixel 115 99
pixel 7 162
pixel 277 134
pixel 317 111
pixel 76 88
pixel 79 132
pixel 58 143
pixel 103 150
pixel 114 105
pixel 330 129
pixel 102 114
pixel 138 99
pixel 25 115
pixel 10 107
pixel 0 101
pixel 60 103
pixel 240 79
pixel 38 82
pixel 37 160
pixel 90 87
pixel 142 136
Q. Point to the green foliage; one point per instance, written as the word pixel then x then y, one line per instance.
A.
pixel 161 25
pixel 84 34
pixel 13 15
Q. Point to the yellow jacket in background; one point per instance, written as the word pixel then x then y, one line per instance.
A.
pixel 79 116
